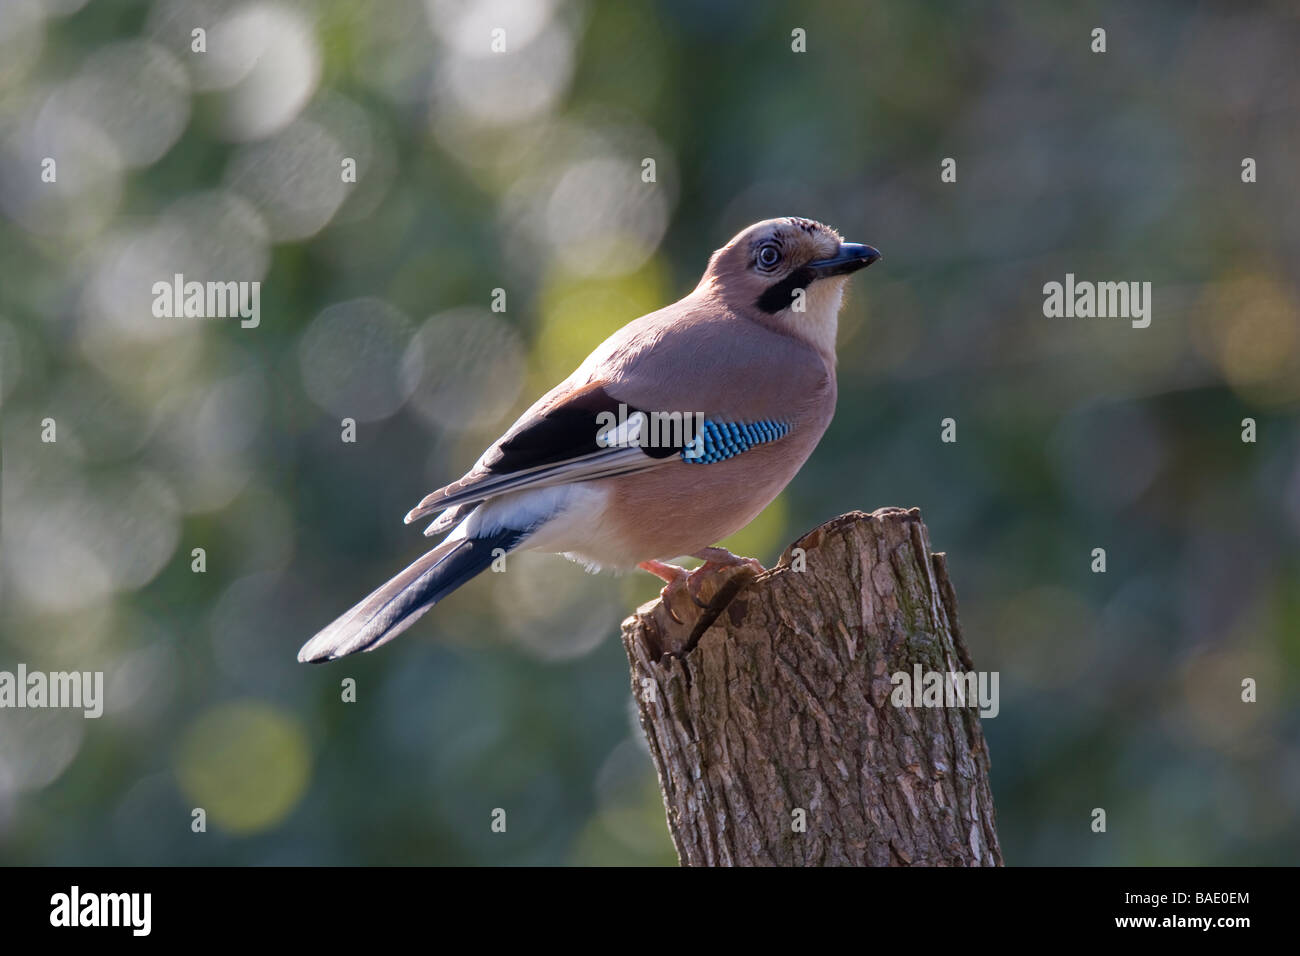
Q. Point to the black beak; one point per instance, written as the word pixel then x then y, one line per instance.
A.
pixel 851 257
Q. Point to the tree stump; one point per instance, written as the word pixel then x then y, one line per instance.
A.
pixel 769 713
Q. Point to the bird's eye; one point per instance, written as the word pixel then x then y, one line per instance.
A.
pixel 768 256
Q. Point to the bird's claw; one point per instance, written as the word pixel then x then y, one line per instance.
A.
pixel 675 595
pixel 708 580
pixel 701 586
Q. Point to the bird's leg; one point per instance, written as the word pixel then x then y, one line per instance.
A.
pixel 715 560
pixel 668 572
pixel 675 590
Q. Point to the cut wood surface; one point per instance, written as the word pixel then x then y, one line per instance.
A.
pixel 769 717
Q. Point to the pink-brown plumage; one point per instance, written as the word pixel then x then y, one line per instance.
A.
pixel 754 342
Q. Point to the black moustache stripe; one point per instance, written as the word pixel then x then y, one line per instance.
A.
pixel 779 295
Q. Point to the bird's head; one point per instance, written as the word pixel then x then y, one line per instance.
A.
pixel 788 272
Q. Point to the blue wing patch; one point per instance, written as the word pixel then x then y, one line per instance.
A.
pixel 718 441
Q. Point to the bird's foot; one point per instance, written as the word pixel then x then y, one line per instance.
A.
pixel 676 594
pixel 706 581
pixel 722 558
pixel 686 593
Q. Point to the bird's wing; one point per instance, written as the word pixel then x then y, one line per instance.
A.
pixel 693 358
pixel 558 440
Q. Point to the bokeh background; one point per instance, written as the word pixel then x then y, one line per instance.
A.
pixel 522 171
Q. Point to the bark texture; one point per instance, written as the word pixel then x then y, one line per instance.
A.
pixel 775 699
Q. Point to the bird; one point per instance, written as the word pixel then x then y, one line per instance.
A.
pixel 674 433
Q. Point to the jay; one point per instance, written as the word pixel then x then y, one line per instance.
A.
pixel 673 434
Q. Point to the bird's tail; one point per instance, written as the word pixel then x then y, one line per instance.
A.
pixel 394 606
